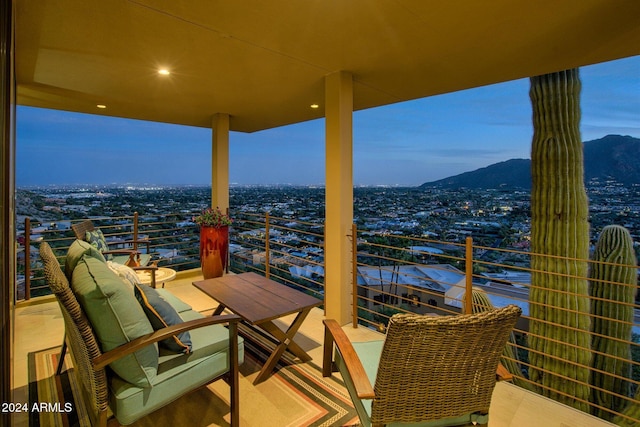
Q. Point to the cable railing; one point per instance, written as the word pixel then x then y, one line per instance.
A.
pixel 285 250
pixel 595 366
pixel 560 348
pixel 173 243
pixel 288 251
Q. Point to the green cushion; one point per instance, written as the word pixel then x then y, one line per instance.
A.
pixel 116 318
pixel 177 373
pixel 97 240
pixel 369 354
pixel 75 253
pixel 161 314
pixel 175 302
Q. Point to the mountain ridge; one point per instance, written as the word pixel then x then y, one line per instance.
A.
pixel 613 157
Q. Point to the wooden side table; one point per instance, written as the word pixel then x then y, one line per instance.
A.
pixel 163 275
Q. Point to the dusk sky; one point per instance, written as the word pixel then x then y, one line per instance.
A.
pixel 403 144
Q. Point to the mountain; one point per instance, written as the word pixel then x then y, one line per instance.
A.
pixel 613 157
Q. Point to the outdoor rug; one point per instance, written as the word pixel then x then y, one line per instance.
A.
pixel 295 395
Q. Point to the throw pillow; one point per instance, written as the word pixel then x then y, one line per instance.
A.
pixel 97 240
pixel 161 314
pixel 116 318
pixel 77 250
pixel 127 274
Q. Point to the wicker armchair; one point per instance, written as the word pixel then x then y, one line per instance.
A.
pixel 130 257
pixel 429 370
pixel 91 365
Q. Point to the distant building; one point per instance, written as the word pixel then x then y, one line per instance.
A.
pixel 407 284
pixel 429 288
pixel 307 271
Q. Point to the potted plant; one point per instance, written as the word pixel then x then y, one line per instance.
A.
pixel 214 241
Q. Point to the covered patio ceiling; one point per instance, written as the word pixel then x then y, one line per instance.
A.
pixel 264 62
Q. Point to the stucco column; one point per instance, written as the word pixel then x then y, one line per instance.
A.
pixel 339 195
pixel 220 161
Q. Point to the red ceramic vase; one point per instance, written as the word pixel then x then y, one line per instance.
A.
pixel 214 245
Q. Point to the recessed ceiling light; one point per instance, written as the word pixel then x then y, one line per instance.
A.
pixel 164 71
pixel 314 106
pixel 101 106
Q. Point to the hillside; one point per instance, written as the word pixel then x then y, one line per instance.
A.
pixel 613 157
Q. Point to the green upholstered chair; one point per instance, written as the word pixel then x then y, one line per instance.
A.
pixel 130 257
pixel 122 372
pixel 133 258
pixel 428 371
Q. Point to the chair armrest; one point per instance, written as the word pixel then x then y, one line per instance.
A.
pixel 120 251
pixel 105 359
pixel 145 242
pixel 333 333
pixel 502 373
pixel 131 262
pixel 150 267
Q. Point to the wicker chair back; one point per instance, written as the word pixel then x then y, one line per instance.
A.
pixel 439 367
pixel 79 337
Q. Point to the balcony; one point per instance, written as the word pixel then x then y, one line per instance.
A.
pixel 394 274
pixel 511 405
pixel 77 69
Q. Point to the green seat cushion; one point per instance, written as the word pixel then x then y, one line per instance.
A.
pixel 369 354
pixel 116 318
pixel 175 302
pixel 177 373
pixel 122 259
pixel 161 314
pixel 75 253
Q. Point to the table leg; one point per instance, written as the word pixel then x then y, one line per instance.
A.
pixel 219 309
pixel 285 340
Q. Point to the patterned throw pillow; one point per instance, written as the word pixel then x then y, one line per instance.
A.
pixel 161 314
pixel 96 238
pixel 127 274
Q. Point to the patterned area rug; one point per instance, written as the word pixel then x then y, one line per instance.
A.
pixel 295 395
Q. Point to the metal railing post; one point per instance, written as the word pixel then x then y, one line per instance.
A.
pixel 468 258
pixel 266 245
pixel 27 258
pixel 135 231
pixel 354 264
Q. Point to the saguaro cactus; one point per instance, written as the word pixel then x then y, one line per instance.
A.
pixel 612 288
pixel 559 339
pixel 630 417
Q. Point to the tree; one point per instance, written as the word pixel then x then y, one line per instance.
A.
pixel 559 338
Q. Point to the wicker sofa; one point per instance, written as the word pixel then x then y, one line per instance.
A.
pixel 127 362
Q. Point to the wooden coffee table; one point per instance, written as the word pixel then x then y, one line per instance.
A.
pixel 259 301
